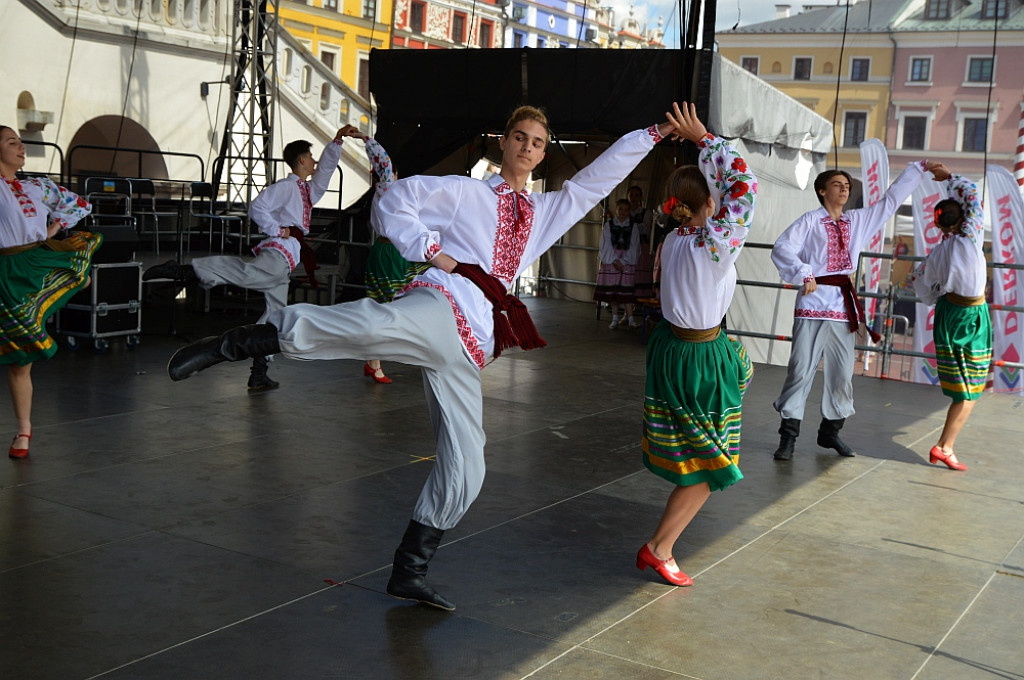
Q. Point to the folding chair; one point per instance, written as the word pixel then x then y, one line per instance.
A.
pixel 201 207
pixel 145 208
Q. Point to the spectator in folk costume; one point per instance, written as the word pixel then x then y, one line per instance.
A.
pixel 38 272
pixel 643 221
pixel 282 212
pixel 819 252
pixel 478 235
pixel 953 279
pixel 620 244
pixel 696 375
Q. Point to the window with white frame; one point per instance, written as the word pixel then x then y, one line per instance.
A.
pixel 979 70
pixel 974 134
pixel 860 68
pixel 751 64
pixel 330 4
pixel 855 127
pixel 416 13
pixel 328 57
pixel 802 68
pixel 914 132
pixel 370 9
pixel 920 69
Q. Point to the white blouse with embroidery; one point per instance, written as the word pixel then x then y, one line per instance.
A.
pixel 28 206
pixel 289 202
pixel 957 264
pixel 698 272
pixel 607 250
pixel 816 245
pixel 484 222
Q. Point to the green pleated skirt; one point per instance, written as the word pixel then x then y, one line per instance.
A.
pixel 387 272
pixel 963 348
pixel 34 283
pixel 692 408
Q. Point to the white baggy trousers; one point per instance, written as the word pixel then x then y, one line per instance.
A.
pixel 267 274
pixel 417 329
pixel 814 341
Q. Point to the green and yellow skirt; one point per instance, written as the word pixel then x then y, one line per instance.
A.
pixel 35 281
pixel 963 347
pixel 692 408
pixel 387 272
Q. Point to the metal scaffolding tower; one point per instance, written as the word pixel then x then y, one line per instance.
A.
pixel 244 167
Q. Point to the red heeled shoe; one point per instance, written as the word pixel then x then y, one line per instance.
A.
pixel 372 372
pixel 645 558
pixel 937 455
pixel 18 454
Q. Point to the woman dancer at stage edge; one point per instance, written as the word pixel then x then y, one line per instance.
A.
pixel 696 375
pixel 479 235
pixel 952 278
pixel 38 273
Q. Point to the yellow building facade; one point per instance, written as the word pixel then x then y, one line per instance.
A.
pixel 848 85
pixel 341 34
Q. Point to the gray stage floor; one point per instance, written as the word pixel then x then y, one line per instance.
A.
pixel 166 530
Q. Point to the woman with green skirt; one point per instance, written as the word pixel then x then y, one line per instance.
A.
pixel 953 279
pixel 38 273
pixel 696 375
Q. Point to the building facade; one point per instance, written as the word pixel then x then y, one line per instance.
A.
pixel 341 34
pixel 446 24
pixel 935 78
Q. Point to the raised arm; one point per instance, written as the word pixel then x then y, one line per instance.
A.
pixel 381 163
pixel 727 173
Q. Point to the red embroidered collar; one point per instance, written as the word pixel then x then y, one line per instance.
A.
pixel 502 187
pixel 690 230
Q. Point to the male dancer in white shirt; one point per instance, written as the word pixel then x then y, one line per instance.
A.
pixel 282 212
pixel 479 235
pixel 819 251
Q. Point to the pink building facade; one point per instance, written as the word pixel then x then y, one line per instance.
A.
pixel 957 85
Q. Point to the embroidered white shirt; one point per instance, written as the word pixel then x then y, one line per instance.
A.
pixel 289 202
pixel 698 272
pixel 484 222
pixel 27 206
pixel 957 264
pixel 816 245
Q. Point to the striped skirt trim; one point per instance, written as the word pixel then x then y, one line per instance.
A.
pixel 963 349
pixel 56 276
pixel 693 409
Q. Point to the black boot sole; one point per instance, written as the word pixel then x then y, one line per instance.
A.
pixel 449 607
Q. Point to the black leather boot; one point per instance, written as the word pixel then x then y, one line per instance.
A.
pixel 182 273
pixel 259 381
pixel 828 437
pixel 408 575
pixel 789 430
pixel 241 342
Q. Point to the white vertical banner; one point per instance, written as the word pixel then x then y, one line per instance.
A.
pixel 1005 206
pixel 874 163
pixel 926 236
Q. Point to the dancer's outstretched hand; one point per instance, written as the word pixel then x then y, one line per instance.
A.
pixel 686 123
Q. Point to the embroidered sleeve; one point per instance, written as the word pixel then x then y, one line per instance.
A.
pixel 65 208
pixel 727 175
pixel 414 212
pixel 381 163
pixel 966 194
pixel 654 133
pixel 787 253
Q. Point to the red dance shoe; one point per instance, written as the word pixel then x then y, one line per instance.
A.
pixel 937 455
pixel 18 454
pixel 373 373
pixel 670 572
